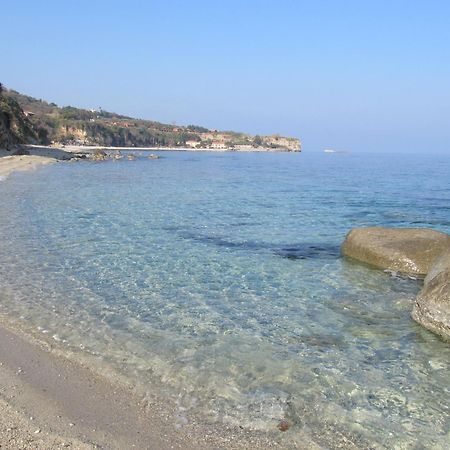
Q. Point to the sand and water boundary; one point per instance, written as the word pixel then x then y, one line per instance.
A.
pixel 49 401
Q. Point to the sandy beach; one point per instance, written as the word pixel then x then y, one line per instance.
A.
pixel 225 226
pixel 50 402
pixel 38 156
pixel 9 164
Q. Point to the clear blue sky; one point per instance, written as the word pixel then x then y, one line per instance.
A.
pixel 353 75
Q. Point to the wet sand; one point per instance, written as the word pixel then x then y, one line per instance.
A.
pixel 50 402
pixel 39 155
pixel 9 164
pixel 67 403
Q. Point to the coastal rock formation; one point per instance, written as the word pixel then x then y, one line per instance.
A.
pixel 99 155
pixel 432 307
pixel 21 152
pixel 410 251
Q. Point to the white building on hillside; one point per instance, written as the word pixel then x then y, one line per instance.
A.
pixel 218 145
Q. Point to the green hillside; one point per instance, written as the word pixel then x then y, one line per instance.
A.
pixel 37 121
pixel 15 127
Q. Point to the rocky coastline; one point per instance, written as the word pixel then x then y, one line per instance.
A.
pixel 414 252
pixel 29 157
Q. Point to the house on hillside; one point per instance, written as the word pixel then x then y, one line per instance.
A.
pixel 193 144
pixel 218 145
pixel 244 147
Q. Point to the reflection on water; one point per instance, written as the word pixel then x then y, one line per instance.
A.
pixel 218 282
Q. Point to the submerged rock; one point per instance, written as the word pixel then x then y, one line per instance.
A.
pixel 21 152
pixel 283 425
pixel 411 251
pixel 432 306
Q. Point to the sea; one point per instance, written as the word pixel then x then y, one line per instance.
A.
pixel 215 281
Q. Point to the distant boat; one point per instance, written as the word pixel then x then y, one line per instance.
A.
pixel 329 150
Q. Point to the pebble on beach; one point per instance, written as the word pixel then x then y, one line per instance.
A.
pixel 283 425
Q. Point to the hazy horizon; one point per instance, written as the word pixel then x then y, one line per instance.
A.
pixel 349 76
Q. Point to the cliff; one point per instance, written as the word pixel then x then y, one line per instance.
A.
pixel 46 123
pixel 15 127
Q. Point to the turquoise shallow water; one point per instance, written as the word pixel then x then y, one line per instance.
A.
pixel 216 280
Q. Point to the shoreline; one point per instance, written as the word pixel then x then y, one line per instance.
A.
pixel 48 401
pixel 80 148
pixel 38 156
pixel 22 163
pixel 53 395
pixel 64 400
pixel 41 155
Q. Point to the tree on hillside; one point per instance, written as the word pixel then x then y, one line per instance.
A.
pixel 197 129
pixel 257 141
pixel 1 88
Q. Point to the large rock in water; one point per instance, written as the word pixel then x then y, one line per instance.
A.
pixel 411 251
pixel 432 307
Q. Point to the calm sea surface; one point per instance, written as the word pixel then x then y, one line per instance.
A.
pixel 216 280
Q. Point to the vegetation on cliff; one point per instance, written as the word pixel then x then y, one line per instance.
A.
pixel 36 121
pixel 15 127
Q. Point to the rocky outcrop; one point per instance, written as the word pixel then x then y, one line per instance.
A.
pixel 21 152
pixel 432 306
pixel 410 251
pixel 98 155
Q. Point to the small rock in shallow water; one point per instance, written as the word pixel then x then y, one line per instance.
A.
pixel 283 425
